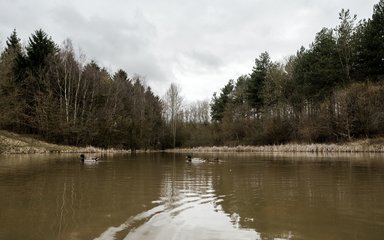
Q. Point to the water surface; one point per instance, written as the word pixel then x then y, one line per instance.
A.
pixel 161 196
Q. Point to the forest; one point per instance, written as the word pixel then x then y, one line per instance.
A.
pixel 331 91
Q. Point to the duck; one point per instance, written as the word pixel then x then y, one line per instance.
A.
pixel 88 159
pixel 195 159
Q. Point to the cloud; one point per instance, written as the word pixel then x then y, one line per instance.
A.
pixel 123 42
pixel 198 44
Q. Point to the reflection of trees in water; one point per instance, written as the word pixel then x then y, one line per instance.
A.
pixel 277 196
pixel 282 197
pixel 182 179
pixel 68 200
pixel 196 180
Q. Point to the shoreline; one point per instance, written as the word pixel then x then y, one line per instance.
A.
pixel 359 146
pixel 12 143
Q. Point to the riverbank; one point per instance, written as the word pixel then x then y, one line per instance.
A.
pixel 12 143
pixel 368 145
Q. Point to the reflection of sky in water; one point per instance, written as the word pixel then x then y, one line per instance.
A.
pixel 193 216
pixel 188 209
pixel 199 221
pixel 156 196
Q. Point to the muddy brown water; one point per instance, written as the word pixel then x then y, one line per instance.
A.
pixel 162 196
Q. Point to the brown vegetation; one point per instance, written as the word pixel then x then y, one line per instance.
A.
pixel 11 143
pixel 368 145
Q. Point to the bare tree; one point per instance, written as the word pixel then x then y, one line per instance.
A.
pixel 173 102
pixel 344 35
pixel 197 112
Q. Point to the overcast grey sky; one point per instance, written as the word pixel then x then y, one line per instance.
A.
pixel 198 44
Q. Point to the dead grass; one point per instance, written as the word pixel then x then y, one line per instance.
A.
pixel 369 145
pixel 12 143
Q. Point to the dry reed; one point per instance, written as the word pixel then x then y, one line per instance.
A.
pixel 355 147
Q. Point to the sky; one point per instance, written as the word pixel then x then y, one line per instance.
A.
pixel 197 44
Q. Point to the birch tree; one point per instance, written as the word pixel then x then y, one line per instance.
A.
pixel 173 101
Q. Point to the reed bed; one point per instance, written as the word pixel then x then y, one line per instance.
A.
pixel 355 147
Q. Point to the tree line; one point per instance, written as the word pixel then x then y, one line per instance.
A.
pixel 50 92
pixel 331 91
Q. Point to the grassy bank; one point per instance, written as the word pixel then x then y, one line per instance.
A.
pixel 368 145
pixel 12 143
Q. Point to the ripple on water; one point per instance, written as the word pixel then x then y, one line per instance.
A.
pixel 190 216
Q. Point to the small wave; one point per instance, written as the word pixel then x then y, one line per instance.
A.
pixel 189 216
pixel 111 232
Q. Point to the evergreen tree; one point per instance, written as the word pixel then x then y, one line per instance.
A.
pixel 9 94
pixel 275 82
pixel 120 75
pixel 219 103
pixel 326 69
pixel 317 70
pixel 370 45
pixel 256 82
pixel 34 80
pixel 13 54
pixel 40 47
pixel 241 89
pixel 13 45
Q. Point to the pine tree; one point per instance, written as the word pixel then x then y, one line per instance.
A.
pixel 10 101
pixel 13 45
pixel 370 45
pixel 256 82
pixel 39 48
pixel 219 104
pixel 34 82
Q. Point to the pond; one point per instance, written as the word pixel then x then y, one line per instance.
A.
pixel 163 196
